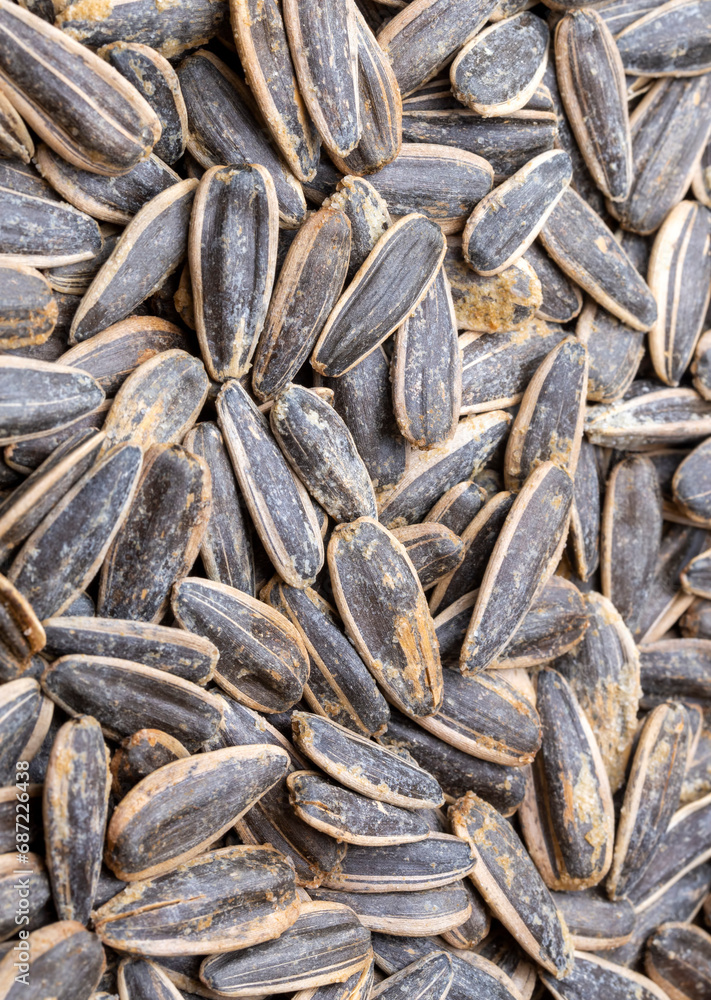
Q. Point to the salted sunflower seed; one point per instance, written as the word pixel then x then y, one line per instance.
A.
pixel 28 310
pixel 363 766
pixel 458 506
pixel 309 283
pixel 549 422
pixel 430 911
pixel 681 258
pixel 356 987
pixel 39 230
pixel 429 978
pixel 675 668
pixel 475 928
pixel 236 896
pixel 29 454
pixel 672 39
pixel 124 697
pixel 105 125
pixel 690 485
pixel 591 974
pixel 22 634
pixel 562 300
pixel 15 140
pixel 65 551
pixel 66 961
pixel 630 536
pixel 347 816
pixel 25 718
pixel 696 577
pixel 35 882
pixel 175 813
pixel 339 685
pixel 506 221
pixel 495 304
pixel 137 977
pixel 519 564
pixel 76 797
pixel 150 248
pixel 584 248
pixel 109 199
pixel 651 416
pixel 385 612
pixel 155 80
pixel 591 78
pixel 140 755
pixel 358 323
pixel 229 132
pixel 235 219
pixel 678 960
pixel 263 661
pixel 511 886
pixel 585 514
pixel 435 551
pixel 497 72
pixel 595 922
pixel 567 815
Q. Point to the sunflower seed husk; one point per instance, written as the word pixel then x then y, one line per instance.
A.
pixel 562 299
pixel 234 219
pixel 495 304
pixel 358 323
pixel 15 140
pixel 76 797
pixel 28 310
pixel 125 697
pixel 678 668
pixel 66 962
pixel 263 661
pixel 230 131
pixel 105 125
pixel 153 830
pixel 339 685
pixel 650 416
pixel 523 557
pixel 30 453
pixel 383 606
pixel 592 975
pixel 458 506
pixel 585 514
pixel 476 927
pixel 603 672
pixel 309 283
pixel 356 987
pixel 434 550
pixel 511 885
pixel 140 755
pixel 695 578
pixel 420 41
pixel 429 979
pixel 150 248
pixel 25 717
pixel 678 960
pixel 138 977
pixel 232 897
pixel 364 767
pixel 595 922
pixel 348 816
pixel 672 39
pixel 22 635
pixel 630 537
pixel 367 213
pixel 272 79
pixel 429 911
pixel 75 279
pixel 156 81
pixel 109 199
pixel 38 230
pixel 549 422
pixel 690 486
pixel 567 814
pixel 669 128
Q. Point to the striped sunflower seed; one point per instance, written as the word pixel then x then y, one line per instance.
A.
pixel 39 230
pixel 430 911
pixel 22 633
pixel 430 979
pixel 595 922
pixel 66 962
pixel 495 304
pixel 15 140
pixel 646 45
pixel 40 396
pixel 591 974
pixel 137 977
pixel 675 668
pixel 700 366
pixel 690 488
pixel 24 722
pixel 648 415
pixel 562 299
pixel 434 550
pixel 38 889
pixel 28 310
pixel 140 755
pixel 678 960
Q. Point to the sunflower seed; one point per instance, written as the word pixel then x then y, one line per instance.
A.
pixel 236 896
pixel 562 299
pixel 367 213
pixel 678 960
pixel 28 310
pixel 15 140
pixel 646 45
pixel 592 975
pixel 430 911
pixel 458 506
pixel 475 928
pixel 434 550
pixel 22 634
pixel 105 126
pixel 66 961
pixel 596 923
pixel 41 231
pixel 363 766
pixel 429 979
pixel 654 417
pixel 495 304
pixel 140 755
pixel 35 883
pixel 511 885
pixel 138 977
pixel 24 721
pixel 675 667
pixel 691 492
pixel 700 366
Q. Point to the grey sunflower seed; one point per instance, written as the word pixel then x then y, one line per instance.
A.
pixel 498 71
pixel 630 536
pixel 76 797
pixel 511 885
pixel 75 279
pixel 277 502
pixel 591 974
pixel 651 416
pixel 585 514
pixel 25 717
pixel 105 125
pixel 430 979
pixel 695 577
pixel 383 606
pixel 110 199
pixel 140 755
pixel 231 132
pixel 584 248
pixel 651 795
pixel 237 896
pixel 125 697
pixel 495 304
pixel 430 911
pixel 138 977
pixel 681 257
pixel 339 685
pixel 363 766
pixel 28 310
pixel 348 816
pixel 150 248
pixel 549 422
pixel 42 231
pixel 596 923
pixel 435 551
pixel 15 140
pixel 356 987
pixel 235 218
pixel 171 32
pixel 272 79
pixel 35 882
pixel 475 928
pixel 700 366
pixel 523 558
pixel 567 815
pixel 678 960
pixel 309 283
pixel 358 323
pixel 420 42
pixel 675 668
pixel 555 624
pixel 562 299
pixel 263 661
pixel 29 454
pixel 367 213
pixel 66 962
pixel 175 813
pixel 501 950
pixel 432 472
pixel 672 39
pixel 669 128
pixel 22 634
pixel 155 80
pixel 65 551
pixel 603 672
pixel 319 447
pixel 226 548
pixel 591 78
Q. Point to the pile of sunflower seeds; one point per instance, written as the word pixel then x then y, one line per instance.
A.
pixel 355 499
